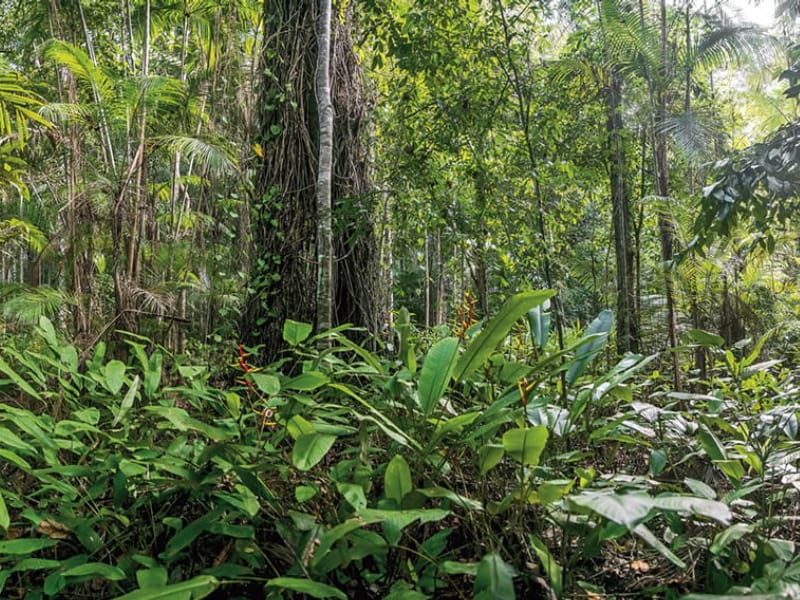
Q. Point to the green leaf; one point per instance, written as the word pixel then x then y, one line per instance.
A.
pixel 353 493
pixel 599 330
pixel 437 370
pixel 406 350
pixel 714 449
pixel 267 384
pixel 549 564
pixel 496 330
pixel 195 588
pixel 18 380
pixel 155 577
pixel 305 382
pixel 489 456
pixel 525 445
pixel 95 569
pixel 315 589
pixel 624 509
pixel 310 448
pixel 539 322
pixel 726 537
pixel 5 518
pixel 705 338
pixel 295 333
pixel 649 537
pixel 114 372
pixel 732 468
pixel 127 401
pixel 700 507
pixel 451 567
pixel 26 545
pixel 494 579
pixel 189 534
pixel 397 479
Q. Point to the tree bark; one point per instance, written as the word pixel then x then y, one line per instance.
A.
pixel 325 171
pixel 627 332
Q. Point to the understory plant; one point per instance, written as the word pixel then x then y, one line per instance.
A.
pixel 486 463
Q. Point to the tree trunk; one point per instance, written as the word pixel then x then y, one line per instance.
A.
pixel 627 333
pixel 285 212
pixel 324 171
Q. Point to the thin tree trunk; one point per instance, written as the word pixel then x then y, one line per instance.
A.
pixel 665 225
pixel 627 334
pixel 325 169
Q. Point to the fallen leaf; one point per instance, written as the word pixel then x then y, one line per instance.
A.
pixel 640 566
pixel 54 530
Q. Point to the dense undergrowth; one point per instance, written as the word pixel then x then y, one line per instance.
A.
pixel 478 464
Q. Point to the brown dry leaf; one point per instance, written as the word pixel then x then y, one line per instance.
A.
pixel 54 530
pixel 13 533
pixel 640 566
pixel 593 596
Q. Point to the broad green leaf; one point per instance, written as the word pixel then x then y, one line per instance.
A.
pixel 539 322
pixel 154 577
pixel 731 468
pixel 489 456
pixel 496 330
pixel 599 329
pixel 5 518
pixel 127 401
pixel 195 588
pixel 298 425
pixel 305 382
pixel 705 338
pixel 549 564
pixel 315 589
pixel 494 579
pixel 95 569
pixel 714 449
pixel 36 564
pixel 183 422
pixel 525 445
pixel 353 493
pixel 310 448
pixel 48 332
pixel 267 384
pixel 437 370
pixel 25 545
pixel 295 333
pixel 397 479
pixel 12 440
pixel 114 372
pixel 624 509
pixel 724 538
pixel 700 507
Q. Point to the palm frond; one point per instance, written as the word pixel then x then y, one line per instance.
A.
pixel 632 41
pixel 25 304
pixel 19 232
pixel 66 113
pixel 75 59
pixel 729 44
pixel 693 132
pixel 214 154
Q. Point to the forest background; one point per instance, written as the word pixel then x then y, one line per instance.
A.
pixel 398 299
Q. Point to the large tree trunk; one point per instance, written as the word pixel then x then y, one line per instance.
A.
pixel 285 215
